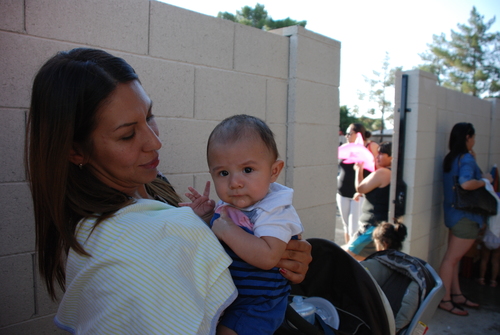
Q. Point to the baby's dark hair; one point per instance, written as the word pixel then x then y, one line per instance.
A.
pixel 391 235
pixel 240 126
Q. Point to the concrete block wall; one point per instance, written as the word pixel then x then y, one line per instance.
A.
pixel 198 70
pixel 434 111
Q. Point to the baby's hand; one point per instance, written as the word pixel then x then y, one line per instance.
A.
pixel 488 176
pixel 201 204
pixel 222 224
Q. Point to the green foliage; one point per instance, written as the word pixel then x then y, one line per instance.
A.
pixel 379 84
pixel 257 17
pixel 346 118
pixel 470 61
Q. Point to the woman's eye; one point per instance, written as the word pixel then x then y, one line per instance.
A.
pixel 223 173
pixel 128 137
pixel 248 170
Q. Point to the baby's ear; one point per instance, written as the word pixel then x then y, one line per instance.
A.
pixel 276 169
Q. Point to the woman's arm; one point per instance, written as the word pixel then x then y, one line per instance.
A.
pixel 469 170
pixel 379 178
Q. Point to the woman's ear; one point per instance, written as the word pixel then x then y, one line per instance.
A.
pixel 276 169
pixel 76 156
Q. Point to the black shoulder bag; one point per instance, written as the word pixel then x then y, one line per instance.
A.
pixel 478 201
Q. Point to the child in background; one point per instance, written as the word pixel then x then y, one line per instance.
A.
pixel 490 246
pixel 255 220
pixel 389 236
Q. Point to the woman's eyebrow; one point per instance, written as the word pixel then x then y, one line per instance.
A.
pixel 133 123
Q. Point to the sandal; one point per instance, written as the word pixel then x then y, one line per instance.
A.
pixel 466 302
pixel 480 281
pixel 493 283
pixel 456 310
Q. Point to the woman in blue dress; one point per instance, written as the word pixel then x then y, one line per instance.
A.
pixel 463 226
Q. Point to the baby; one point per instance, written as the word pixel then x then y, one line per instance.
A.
pixel 254 220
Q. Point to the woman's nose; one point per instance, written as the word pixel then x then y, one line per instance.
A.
pixel 152 139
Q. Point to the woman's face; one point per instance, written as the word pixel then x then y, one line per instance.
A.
pixel 470 141
pixel 125 142
pixel 350 135
pixel 383 160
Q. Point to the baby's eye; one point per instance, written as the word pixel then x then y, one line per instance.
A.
pixel 248 169
pixel 223 173
pixel 150 118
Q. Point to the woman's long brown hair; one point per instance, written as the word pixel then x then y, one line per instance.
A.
pixel 67 93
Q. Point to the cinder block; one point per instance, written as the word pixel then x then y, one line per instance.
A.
pixel 318 221
pixel 12 130
pixel 22 57
pixel 318 62
pixel 44 304
pixel 113 24
pixel 12 15
pixel 17 294
pixel 314 186
pixel 180 183
pixel 219 94
pixel 421 223
pixel 280 135
pixel 39 326
pixel 169 84
pixel 427 93
pixel 314 103
pixel 420 248
pixel 184 145
pixel 179 34
pixel 420 198
pixel 314 144
pixel 276 101
pixel 313 56
pixel 17 224
pixel 260 52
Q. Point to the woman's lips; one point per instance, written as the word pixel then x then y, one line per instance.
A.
pixel 152 165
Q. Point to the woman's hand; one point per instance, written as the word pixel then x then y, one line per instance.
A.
pixel 295 260
pixel 201 204
pixel 488 176
pixel 359 166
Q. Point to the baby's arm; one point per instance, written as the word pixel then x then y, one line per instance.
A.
pixel 262 252
pixel 201 204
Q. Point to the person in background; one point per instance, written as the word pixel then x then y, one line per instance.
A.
pixel 375 209
pixel 349 206
pixel 490 253
pixel 463 226
pixel 389 236
pixel 109 230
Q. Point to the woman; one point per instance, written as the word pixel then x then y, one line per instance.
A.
pixel 108 227
pixel 349 207
pixel 375 208
pixel 463 226
pixel 389 235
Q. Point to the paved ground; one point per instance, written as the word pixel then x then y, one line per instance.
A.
pixel 483 321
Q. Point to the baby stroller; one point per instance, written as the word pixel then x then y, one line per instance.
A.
pixel 362 307
pixel 412 287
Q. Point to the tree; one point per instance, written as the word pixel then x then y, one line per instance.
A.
pixel 257 17
pixel 346 118
pixel 379 85
pixel 470 61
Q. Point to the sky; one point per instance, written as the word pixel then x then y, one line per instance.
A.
pixel 367 29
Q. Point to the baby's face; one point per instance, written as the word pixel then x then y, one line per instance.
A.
pixel 242 171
